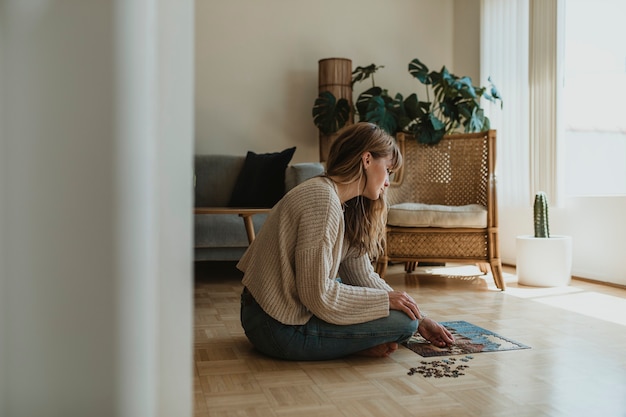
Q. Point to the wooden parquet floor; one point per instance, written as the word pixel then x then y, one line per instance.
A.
pixel 576 365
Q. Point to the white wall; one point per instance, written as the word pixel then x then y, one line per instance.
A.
pixel 257 63
pixel 95 220
pixel 598 232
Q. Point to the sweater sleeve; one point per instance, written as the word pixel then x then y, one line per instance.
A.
pixel 332 301
pixel 358 270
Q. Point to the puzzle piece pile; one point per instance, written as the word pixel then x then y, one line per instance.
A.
pixel 443 368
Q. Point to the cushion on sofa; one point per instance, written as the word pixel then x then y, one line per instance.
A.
pixel 432 215
pixel 215 178
pixel 261 182
pixel 298 173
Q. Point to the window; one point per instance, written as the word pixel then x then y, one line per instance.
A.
pixel 594 98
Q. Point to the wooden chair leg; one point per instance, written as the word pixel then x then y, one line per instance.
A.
pixel 381 266
pixel 496 271
pixel 484 267
pixel 410 266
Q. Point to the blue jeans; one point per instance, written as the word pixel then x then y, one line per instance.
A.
pixel 317 339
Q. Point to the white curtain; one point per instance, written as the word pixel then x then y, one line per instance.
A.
pixel 522 51
pixel 545 81
pixel 504 53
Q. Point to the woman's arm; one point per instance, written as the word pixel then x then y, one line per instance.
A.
pixel 359 271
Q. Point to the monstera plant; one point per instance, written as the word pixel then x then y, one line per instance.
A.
pixel 452 104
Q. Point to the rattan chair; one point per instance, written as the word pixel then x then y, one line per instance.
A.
pixel 443 204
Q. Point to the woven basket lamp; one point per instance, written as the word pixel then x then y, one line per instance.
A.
pixel 335 76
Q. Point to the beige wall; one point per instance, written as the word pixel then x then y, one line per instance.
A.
pixel 256 63
pixel 466 39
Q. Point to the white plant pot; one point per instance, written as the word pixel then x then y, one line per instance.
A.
pixel 544 262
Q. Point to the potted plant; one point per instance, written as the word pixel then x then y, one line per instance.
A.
pixel 452 104
pixel 543 260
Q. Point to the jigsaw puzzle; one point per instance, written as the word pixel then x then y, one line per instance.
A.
pixel 469 339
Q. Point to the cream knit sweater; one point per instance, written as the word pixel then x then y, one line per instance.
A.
pixel 291 266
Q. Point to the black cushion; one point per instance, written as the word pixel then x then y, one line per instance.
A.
pixel 261 182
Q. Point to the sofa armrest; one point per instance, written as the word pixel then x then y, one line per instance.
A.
pixel 298 173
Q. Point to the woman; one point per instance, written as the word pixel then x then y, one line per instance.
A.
pixel 311 292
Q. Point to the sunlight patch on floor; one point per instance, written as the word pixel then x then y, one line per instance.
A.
pixel 579 300
pixel 592 304
pixel 537 292
pixel 589 303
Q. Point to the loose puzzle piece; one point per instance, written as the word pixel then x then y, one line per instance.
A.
pixel 441 368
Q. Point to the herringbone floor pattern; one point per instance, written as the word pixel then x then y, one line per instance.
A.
pixel 576 365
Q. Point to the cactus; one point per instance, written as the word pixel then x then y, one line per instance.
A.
pixel 542 226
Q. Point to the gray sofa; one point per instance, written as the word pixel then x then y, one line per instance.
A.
pixel 222 237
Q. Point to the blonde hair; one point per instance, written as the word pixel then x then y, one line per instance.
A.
pixel 365 219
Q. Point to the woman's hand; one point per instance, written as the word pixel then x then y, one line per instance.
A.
pixel 402 301
pixel 435 333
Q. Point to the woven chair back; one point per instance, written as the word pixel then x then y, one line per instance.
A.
pixel 454 172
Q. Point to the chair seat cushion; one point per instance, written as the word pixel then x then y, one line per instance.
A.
pixel 432 215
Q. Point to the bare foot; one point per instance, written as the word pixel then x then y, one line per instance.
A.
pixel 380 351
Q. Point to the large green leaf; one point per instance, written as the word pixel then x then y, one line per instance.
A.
pixel 398 108
pixel 420 71
pixel 437 124
pixel 380 112
pixel 494 94
pixel 476 122
pixel 450 109
pixel 362 102
pixel 439 84
pixel 486 124
pixel 330 114
pixel 363 73
pixel 413 108
pixel 466 109
pixel 429 129
pixel 465 88
pixel 405 111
